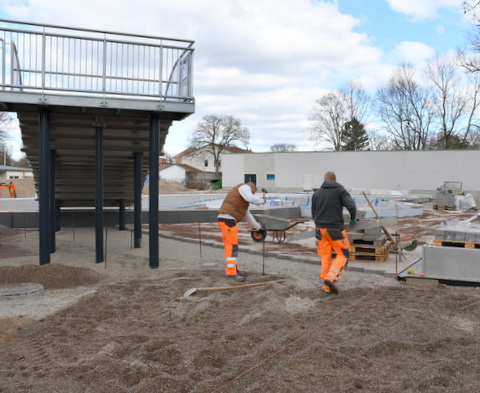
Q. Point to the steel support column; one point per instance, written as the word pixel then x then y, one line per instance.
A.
pixel 137 199
pixel 121 214
pixel 153 203
pixel 44 187
pixel 58 216
pixel 53 210
pixel 99 254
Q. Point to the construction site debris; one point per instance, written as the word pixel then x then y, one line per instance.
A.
pixel 465 201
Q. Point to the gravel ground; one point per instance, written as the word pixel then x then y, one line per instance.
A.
pixel 119 326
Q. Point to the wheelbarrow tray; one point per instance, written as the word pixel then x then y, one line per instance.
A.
pixel 271 223
pixel 276 225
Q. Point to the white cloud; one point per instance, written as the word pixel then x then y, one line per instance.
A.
pixel 264 62
pixel 423 9
pixel 413 53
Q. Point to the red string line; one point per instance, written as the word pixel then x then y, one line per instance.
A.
pixel 297 340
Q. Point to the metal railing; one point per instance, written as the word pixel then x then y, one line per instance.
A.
pixel 61 60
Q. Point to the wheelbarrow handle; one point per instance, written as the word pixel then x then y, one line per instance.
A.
pixel 295 223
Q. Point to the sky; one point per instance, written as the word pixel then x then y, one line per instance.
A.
pixel 265 62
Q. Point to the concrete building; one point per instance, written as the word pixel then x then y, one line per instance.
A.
pixel 202 159
pixel 11 173
pixel 415 171
pixel 176 172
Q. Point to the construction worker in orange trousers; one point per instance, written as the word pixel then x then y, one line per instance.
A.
pixel 327 212
pixel 235 208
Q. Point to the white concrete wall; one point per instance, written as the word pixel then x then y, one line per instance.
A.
pixel 173 173
pixel 233 169
pixel 397 170
pixel 198 162
pixel 12 175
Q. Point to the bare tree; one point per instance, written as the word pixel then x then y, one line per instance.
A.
pixel 359 102
pixel 6 120
pixel 470 60
pixel 456 100
pixel 471 8
pixel 475 139
pixel 379 141
pixel 405 109
pixel 328 116
pixel 216 133
pixel 283 147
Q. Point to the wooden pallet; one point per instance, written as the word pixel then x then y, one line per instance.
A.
pixel 366 249
pixel 368 257
pixel 444 207
pixel 367 253
pixel 378 242
pixel 454 243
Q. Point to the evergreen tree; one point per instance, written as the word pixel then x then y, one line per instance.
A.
pixel 354 136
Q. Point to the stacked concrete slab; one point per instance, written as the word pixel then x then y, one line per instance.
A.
pixel 444 198
pixel 367 239
pixel 375 250
pixel 455 235
pixel 454 253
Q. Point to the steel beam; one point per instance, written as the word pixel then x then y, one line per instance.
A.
pixel 137 200
pixel 53 210
pixel 99 194
pixel 121 214
pixel 58 216
pixel 153 203
pixel 44 187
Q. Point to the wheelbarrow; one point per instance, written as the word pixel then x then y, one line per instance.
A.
pixel 277 225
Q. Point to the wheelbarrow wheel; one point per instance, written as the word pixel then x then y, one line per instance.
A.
pixel 259 236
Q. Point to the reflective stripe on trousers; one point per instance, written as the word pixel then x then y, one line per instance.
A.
pixel 332 270
pixel 230 246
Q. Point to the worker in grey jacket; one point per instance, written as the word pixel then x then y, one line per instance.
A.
pixel 327 212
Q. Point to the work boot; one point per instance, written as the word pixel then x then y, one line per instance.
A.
pixel 330 285
pixel 243 274
pixel 237 277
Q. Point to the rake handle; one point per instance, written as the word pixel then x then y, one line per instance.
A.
pixel 239 286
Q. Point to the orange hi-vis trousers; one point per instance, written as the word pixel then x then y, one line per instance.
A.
pixel 229 230
pixel 328 240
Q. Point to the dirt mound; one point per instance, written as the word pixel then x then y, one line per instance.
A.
pixel 50 276
pixel 7 231
pixel 167 187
